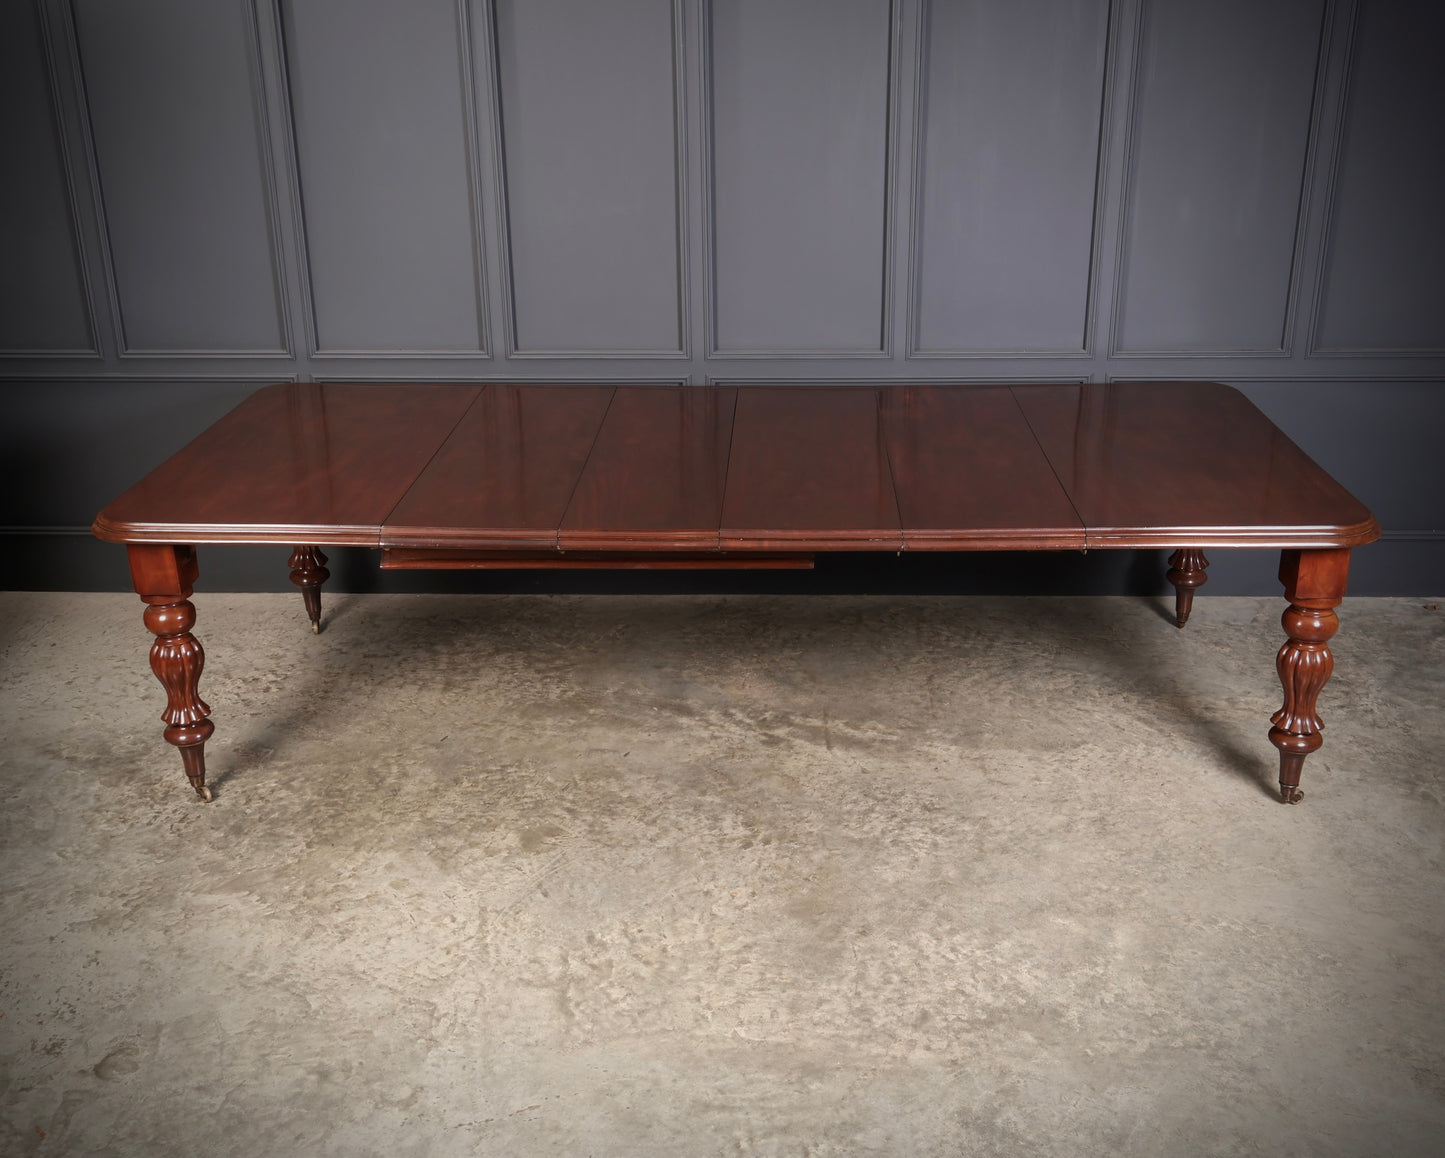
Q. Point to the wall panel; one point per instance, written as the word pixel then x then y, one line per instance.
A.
pixel 1381 292
pixel 173 98
pixel 381 106
pixel 799 113
pixel 1223 100
pixel 43 299
pixel 1005 175
pixel 590 111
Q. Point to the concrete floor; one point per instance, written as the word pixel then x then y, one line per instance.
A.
pixel 699 876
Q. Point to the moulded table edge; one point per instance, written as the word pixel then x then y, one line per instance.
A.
pixel 811 540
pixel 327 534
pixel 995 539
pixel 1323 538
pixel 638 540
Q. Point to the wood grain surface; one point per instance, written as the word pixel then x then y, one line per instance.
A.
pixel 1187 463
pixel 969 471
pixel 786 468
pixel 808 470
pixel 506 474
pixel 655 476
pixel 299 462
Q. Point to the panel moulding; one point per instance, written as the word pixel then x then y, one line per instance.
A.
pixel 1326 353
pixel 509 379
pixel 72 193
pixel 1287 374
pixel 890 200
pixel 995 380
pixel 1121 252
pixel 471 146
pixel 200 377
pixel 1313 349
pixel 922 63
pixel 514 351
pixel 259 112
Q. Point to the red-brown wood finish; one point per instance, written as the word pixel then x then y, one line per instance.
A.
pixel 546 476
pixel 969 472
pixel 406 559
pixel 809 467
pixel 1155 464
pixel 1314 584
pixel 1187 568
pixel 300 462
pixel 164 577
pixel 505 475
pixel 308 572
pixel 654 479
pixel 809 471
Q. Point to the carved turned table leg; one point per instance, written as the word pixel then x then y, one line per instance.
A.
pixel 1314 584
pixel 164 577
pixel 308 572
pixel 1186 572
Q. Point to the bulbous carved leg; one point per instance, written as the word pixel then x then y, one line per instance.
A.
pixel 1304 664
pixel 1186 571
pixel 1314 583
pixel 177 659
pixel 308 572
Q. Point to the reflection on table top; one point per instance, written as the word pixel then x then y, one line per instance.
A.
pixel 743 468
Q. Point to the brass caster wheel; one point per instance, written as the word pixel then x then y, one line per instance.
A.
pixel 1290 795
pixel 204 792
pixel 316 629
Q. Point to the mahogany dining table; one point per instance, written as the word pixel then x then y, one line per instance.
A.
pixel 504 475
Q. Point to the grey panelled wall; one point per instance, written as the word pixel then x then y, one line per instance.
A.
pixel 201 198
pixel 799 178
pixel 1233 82
pixel 45 306
pixel 190 252
pixel 1389 185
pixel 382 114
pixel 591 177
pixel 1013 199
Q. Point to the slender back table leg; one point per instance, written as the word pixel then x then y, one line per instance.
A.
pixel 1186 572
pixel 308 572
pixel 1314 584
pixel 164 577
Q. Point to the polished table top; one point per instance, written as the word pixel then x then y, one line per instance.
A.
pixel 792 468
